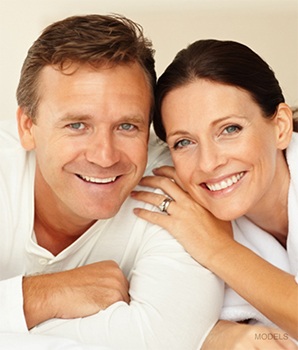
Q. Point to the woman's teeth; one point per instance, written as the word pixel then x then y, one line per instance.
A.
pixel 225 183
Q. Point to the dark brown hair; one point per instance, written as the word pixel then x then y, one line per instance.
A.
pixel 92 39
pixel 225 62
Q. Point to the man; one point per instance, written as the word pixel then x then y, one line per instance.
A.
pixel 72 253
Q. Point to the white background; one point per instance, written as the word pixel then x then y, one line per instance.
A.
pixel 270 27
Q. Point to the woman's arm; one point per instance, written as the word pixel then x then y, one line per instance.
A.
pixel 209 240
pixel 270 290
pixel 227 335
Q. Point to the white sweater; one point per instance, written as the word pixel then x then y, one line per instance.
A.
pixel 174 301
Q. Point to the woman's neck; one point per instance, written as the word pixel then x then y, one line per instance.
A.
pixel 271 213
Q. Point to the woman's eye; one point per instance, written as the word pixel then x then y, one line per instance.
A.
pixel 231 129
pixel 127 127
pixel 182 143
pixel 77 126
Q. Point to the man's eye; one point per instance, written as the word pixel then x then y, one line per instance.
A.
pixel 127 127
pixel 182 143
pixel 76 126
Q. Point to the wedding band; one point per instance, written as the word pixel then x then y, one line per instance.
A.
pixel 165 204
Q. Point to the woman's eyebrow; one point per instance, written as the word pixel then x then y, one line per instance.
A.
pixel 178 132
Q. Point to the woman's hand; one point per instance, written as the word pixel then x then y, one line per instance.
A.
pixel 210 241
pixel 193 226
pixel 234 336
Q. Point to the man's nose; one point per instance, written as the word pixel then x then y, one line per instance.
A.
pixel 103 150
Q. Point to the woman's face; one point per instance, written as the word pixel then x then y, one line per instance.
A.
pixel 224 151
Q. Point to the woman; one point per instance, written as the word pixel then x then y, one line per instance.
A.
pixel 223 115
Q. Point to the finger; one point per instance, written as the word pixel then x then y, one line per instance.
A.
pixel 122 289
pixel 153 217
pixel 126 297
pixel 121 286
pixel 148 197
pixel 167 171
pixel 154 199
pixel 165 184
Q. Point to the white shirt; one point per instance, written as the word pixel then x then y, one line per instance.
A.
pixel 174 301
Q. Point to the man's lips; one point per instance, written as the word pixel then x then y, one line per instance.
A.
pixel 228 182
pixel 97 180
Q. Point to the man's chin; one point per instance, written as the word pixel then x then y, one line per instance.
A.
pixel 107 212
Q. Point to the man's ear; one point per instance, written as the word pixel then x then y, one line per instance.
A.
pixel 25 129
pixel 284 123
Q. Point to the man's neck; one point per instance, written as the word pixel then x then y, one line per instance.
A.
pixel 56 235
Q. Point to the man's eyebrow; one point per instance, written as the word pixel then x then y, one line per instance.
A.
pixel 135 118
pixel 75 117
pixel 132 119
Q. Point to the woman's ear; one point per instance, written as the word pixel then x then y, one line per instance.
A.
pixel 25 129
pixel 284 123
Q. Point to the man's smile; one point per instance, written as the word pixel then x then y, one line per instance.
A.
pixel 96 179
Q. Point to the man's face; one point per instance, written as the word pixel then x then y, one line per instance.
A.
pixel 90 139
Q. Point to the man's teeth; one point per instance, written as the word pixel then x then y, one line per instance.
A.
pixel 97 180
pixel 225 183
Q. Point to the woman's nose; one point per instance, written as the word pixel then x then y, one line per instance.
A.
pixel 211 157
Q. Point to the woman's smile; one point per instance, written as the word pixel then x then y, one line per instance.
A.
pixel 223 184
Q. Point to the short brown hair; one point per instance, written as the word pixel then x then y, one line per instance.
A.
pixel 92 39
